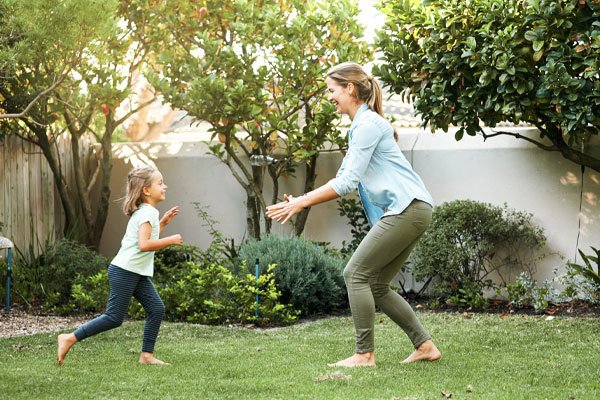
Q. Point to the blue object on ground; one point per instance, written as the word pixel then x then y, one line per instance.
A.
pixel 7 244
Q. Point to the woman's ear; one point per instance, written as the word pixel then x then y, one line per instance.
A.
pixel 350 87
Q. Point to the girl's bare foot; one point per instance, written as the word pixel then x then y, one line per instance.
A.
pixel 425 352
pixel 148 358
pixel 65 342
pixel 357 360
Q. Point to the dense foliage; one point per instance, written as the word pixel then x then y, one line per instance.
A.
pixel 467 62
pixel 309 278
pixel 47 280
pixel 468 243
pixel 195 289
pixel 254 70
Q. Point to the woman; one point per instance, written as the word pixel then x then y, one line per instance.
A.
pixel 397 205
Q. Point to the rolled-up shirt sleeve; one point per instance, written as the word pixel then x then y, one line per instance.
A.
pixel 365 138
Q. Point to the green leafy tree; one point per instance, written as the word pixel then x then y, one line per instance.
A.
pixel 467 62
pixel 88 64
pixel 254 70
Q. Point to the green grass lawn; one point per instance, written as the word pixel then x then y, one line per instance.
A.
pixel 484 357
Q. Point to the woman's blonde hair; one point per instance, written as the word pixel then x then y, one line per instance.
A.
pixel 367 87
pixel 137 180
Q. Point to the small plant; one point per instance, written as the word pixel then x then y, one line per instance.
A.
pixel 581 281
pixel 587 271
pixel 525 293
pixel 223 250
pixel 467 242
pixel 359 225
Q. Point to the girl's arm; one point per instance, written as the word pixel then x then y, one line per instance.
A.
pixel 168 216
pixel 147 244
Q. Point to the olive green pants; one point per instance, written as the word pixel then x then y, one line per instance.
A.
pixel 376 261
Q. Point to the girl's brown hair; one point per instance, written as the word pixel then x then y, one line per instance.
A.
pixel 137 180
pixel 367 88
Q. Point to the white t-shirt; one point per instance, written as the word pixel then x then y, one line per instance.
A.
pixel 129 256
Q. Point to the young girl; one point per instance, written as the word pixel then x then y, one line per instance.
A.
pixel 397 205
pixel 130 271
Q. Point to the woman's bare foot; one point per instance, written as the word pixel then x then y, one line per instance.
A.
pixel 357 360
pixel 425 352
pixel 65 342
pixel 148 358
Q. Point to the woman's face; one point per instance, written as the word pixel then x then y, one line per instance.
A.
pixel 340 96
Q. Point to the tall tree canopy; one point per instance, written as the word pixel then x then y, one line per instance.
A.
pixel 64 67
pixel 255 71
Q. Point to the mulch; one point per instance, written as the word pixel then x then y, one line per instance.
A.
pixel 20 322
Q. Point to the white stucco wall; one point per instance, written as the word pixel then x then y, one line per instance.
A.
pixel 502 170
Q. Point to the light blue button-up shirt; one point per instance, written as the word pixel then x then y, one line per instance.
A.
pixel 375 165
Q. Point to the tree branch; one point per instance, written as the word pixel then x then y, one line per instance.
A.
pixel 37 98
pixel 519 136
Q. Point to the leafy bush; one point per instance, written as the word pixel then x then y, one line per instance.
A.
pixel 212 294
pixel 48 278
pixel 194 290
pixel 308 278
pixel 468 242
pixel 359 225
pixel 90 293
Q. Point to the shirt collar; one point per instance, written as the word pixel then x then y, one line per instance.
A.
pixel 360 110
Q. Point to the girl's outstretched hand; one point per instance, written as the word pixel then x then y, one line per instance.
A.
pixel 168 216
pixel 282 212
pixel 176 240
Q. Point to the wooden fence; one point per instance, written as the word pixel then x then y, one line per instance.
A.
pixel 30 208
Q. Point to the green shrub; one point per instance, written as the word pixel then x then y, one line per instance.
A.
pixel 90 293
pixel 309 278
pixel 194 290
pixel 468 242
pixel 47 279
pixel 212 294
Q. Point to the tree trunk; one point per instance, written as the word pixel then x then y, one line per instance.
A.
pixel 252 217
pixel 106 165
pixel 84 199
pixel 309 185
pixel 61 185
pixel 554 133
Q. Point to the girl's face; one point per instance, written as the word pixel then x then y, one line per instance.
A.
pixel 157 190
pixel 340 96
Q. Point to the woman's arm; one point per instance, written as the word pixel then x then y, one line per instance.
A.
pixel 282 212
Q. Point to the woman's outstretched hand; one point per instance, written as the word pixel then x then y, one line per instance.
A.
pixel 282 212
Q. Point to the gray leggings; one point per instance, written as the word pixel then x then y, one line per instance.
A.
pixel 123 285
pixel 375 262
